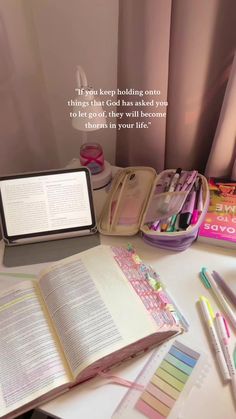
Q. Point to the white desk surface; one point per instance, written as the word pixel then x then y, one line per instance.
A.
pixel 97 399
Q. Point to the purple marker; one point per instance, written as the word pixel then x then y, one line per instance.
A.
pixel 155 226
pixel 187 210
pixel 228 291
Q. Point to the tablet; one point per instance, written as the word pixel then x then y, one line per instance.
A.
pixel 46 205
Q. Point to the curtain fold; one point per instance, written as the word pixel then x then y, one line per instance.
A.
pixel 222 159
pixel 24 121
pixel 41 44
pixel 142 66
pixel 185 49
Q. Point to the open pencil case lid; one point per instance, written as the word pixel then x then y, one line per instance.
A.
pixel 136 199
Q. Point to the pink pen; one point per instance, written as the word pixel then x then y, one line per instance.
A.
pixel 224 335
pixel 196 212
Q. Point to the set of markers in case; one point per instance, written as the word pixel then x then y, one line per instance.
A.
pixel 167 208
pixel 191 184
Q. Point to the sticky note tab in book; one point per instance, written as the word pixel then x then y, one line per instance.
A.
pixel 168 377
pixel 147 285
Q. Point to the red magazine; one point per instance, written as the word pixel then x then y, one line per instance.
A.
pixel 219 226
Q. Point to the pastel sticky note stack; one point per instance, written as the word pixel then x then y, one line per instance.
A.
pixel 168 382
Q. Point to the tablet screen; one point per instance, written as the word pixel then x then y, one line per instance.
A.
pixel 47 202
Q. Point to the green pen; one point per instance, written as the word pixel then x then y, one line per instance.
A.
pixel 171 226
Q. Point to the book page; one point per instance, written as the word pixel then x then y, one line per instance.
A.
pixel 30 364
pixel 94 308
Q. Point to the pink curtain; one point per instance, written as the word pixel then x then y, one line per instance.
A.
pixel 185 49
pixel 41 44
pixel 24 123
pixel 222 159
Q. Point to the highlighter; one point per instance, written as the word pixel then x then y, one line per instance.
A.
pixel 196 212
pixel 174 180
pixel 200 199
pixel 187 210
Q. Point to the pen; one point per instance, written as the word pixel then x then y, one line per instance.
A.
pixel 200 199
pixel 167 182
pixel 176 227
pixel 187 210
pixel 224 335
pixel 171 188
pixel 218 294
pixel 189 181
pixel 171 226
pixel 174 180
pixel 165 224
pixel 221 282
pixel 162 186
pixel 208 316
pixel 196 212
pixel 181 181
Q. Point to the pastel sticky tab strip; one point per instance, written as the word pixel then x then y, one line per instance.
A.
pixel 178 364
pixel 182 357
pixel 168 381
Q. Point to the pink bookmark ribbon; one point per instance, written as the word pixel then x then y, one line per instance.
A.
pixel 121 381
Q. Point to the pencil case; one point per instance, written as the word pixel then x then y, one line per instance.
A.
pixel 138 199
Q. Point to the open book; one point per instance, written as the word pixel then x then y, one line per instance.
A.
pixel 85 314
